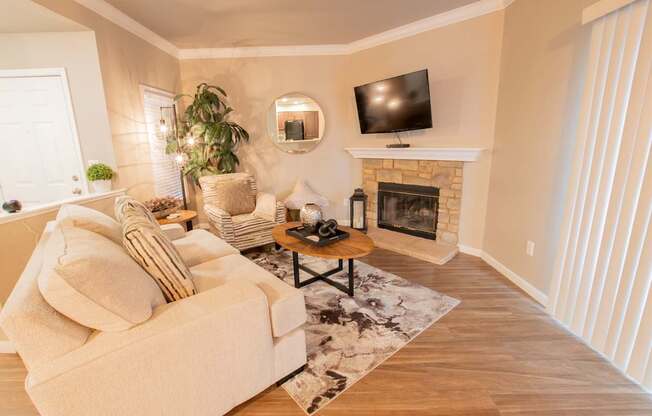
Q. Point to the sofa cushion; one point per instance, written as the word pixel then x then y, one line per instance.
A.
pixel 199 246
pixel 91 220
pixel 148 245
pixel 286 304
pixel 92 281
pixel 27 318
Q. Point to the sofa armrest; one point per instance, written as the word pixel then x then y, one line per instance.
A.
pixel 221 221
pixel 209 351
pixel 173 231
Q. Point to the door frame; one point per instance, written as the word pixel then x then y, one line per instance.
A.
pixel 72 120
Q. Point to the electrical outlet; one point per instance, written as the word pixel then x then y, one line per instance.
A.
pixel 529 248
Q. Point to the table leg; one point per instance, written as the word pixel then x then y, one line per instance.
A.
pixel 189 225
pixel 350 276
pixel 295 267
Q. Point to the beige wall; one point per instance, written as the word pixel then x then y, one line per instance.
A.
pixel 542 65
pixel 77 53
pixel 252 85
pixel 126 61
pixel 463 63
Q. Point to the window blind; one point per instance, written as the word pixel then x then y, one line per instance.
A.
pixel 603 274
pixel 167 181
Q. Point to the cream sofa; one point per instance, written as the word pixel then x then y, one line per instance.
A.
pixel 201 355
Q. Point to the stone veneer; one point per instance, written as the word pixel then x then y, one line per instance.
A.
pixel 445 175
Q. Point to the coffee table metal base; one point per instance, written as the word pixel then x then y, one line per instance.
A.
pixel 323 277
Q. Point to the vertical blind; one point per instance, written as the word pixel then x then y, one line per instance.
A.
pixel 601 285
pixel 165 172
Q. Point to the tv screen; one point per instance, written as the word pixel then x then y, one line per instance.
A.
pixel 395 104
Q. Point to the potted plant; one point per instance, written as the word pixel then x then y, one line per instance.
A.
pixel 100 176
pixel 206 140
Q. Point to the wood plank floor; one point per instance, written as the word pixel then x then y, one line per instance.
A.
pixel 497 353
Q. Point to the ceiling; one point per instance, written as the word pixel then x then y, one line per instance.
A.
pixel 20 16
pixel 238 23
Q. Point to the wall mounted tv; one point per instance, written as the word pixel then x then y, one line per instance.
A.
pixel 395 104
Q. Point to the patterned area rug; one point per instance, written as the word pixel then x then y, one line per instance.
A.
pixel 348 337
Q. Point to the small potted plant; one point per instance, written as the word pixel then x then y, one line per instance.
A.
pixel 162 207
pixel 100 175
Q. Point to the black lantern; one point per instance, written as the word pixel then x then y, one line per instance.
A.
pixel 359 210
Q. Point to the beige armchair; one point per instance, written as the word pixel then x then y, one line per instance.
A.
pixel 242 230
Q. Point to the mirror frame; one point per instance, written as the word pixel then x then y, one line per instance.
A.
pixel 272 107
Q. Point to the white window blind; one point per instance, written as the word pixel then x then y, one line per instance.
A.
pixel 165 171
pixel 603 274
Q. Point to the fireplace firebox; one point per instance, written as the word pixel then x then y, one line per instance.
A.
pixel 409 209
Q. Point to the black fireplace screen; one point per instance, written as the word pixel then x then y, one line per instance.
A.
pixel 410 209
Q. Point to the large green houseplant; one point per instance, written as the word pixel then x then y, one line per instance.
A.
pixel 207 141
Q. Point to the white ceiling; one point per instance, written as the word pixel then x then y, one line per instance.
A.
pixel 24 16
pixel 240 23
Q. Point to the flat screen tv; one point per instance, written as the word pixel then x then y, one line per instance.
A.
pixel 395 104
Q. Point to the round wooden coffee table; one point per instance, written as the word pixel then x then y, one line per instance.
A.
pixel 357 245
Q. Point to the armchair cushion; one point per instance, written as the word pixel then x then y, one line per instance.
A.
pixel 93 281
pixel 234 196
pixel 200 246
pixel 265 206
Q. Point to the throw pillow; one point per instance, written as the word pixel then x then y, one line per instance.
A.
pixel 91 220
pixel 235 196
pixel 148 245
pixel 92 281
pixel 303 194
pixel 127 205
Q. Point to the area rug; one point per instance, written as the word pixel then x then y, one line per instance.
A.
pixel 349 337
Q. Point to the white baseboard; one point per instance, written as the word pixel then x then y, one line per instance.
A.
pixel 536 294
pixel 469 250
pixel 6 347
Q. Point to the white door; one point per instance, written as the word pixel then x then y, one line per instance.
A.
pixel 39 160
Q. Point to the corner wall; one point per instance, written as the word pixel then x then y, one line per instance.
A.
pixel 77 53
pixel 463 61
pixel 126 62
pixel 542 66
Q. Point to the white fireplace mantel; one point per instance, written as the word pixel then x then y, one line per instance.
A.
pixel 462 154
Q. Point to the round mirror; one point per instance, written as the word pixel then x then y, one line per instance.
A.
pixel 295 123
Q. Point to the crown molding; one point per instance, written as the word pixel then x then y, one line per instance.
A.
pixel 262 51
pixel 470 11
pixel 117 17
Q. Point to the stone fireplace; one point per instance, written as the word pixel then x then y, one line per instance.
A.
pixel 435 217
